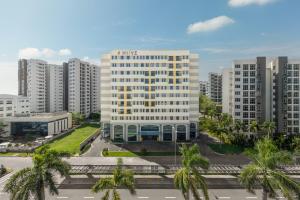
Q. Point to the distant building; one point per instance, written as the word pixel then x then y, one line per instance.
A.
pixel 227 90
pixel 44 84
pixel 203 85
pixel 265 89
pixel 41 124
pixel 36 85
pixel 150 95
pixel 84 87
pixel 12 105
pixel 215 87
pixel 22 77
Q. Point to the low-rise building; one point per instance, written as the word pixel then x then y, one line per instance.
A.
pixel 42 124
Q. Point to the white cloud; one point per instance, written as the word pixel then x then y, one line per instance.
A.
pixel 241 3
pixel 64 52
pixel 42 53
pixel 48 53
pixel 210 25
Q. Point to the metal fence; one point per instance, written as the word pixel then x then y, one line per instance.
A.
pixel 171 169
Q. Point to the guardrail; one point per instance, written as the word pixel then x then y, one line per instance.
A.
pixel 171 169
pixel 89 139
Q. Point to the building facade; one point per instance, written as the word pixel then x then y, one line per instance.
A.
pixel 203 86
pixel 215 87
pixel 84 87
pixel 46 85
pixel 265 89
pixel 149 95
pixel 36 85
pixel 286 80
pixel 22 77
pixel 55 88
pixel 227 90
pixel 38 124
pixel 12 105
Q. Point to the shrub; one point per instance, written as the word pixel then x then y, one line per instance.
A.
pixel 2 170
pixel 144 151
pixel 105 152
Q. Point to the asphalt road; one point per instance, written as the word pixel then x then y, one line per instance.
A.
pixel 151 194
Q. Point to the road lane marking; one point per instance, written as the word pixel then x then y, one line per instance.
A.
pixel 224 197
pixel 251 197
pixel 62 197
pixel 170 197
pixel 88 197
pixel 143 197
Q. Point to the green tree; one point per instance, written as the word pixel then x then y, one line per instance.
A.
pixel 188 177
pixel 296 145
pixel 253 127
pixel 269 128
pixel 226 120
pixel 264 171
pixel 31 182
pixel 206 104
pixel 120 178
pixel 238 125
pixel 77 118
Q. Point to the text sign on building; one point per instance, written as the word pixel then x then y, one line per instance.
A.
pixel 127 53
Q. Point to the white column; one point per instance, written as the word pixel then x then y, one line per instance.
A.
pixel 187 134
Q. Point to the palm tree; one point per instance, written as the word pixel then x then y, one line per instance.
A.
pixel 264 171
pixel 238 125
pixel 269 127
pixel 188 177
pixel 253 127
pixel 120 178
pixel 31 182
pixel 211 112
pixel 226 120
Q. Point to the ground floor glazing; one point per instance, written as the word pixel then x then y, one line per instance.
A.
pixel 132 132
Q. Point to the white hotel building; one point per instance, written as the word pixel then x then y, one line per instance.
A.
pixel 149 95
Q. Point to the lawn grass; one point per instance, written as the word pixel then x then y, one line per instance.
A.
pixel 137 154
pixel 226 148
pixel 71 142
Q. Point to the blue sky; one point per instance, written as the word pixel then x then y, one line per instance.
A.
pixel 56 30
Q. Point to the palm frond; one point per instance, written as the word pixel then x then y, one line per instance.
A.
pixel 201 183
pixel 181 180
pixel 116 195
pixel 250 176
pixel 288 186
pixel 106 195
pixel 49 181
pixel 128 181
pixel 102 184
pixel 194 189
pixel 16 179
pixel 197 160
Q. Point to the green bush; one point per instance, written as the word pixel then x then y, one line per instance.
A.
pixel 144 151
pixel 3 170
pixel 105 152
